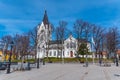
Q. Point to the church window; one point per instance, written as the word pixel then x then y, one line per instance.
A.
pixel 41 38
pixel 73 45
pixel 42 31
pixel 67 45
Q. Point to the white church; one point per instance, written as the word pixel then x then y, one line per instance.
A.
pixel 52 48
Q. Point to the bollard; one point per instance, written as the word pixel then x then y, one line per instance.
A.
pixel 38 63
pixel 28 66
pixel 43 62
pixel 86 64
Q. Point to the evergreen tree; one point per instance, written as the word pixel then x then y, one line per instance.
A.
pixel 83 49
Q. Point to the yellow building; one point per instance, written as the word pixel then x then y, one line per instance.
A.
pixel 6 57
pixel 0 53
pixel 1 56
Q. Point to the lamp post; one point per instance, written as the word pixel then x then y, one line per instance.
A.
pixel 38 59
pixel 43 56
pixel 9 64
pixel 3 50
pixel 116 57
pixel 63 52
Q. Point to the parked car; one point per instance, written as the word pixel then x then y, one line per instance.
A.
pixel 3 66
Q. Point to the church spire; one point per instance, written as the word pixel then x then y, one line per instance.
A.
pixel 45 18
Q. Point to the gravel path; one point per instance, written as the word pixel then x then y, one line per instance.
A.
pixel 65 72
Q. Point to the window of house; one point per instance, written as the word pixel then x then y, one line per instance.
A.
pixel 50 54
pixel 59 52
pixel 63 53
pixel 54 53
pixel 68 53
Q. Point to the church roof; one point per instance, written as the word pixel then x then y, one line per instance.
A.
pixel 45 18
pixel 56 42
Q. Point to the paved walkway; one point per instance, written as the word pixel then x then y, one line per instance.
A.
pixel 66 72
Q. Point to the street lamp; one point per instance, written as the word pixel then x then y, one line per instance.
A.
pixel 116 57
pixel 43 56
pixel 8 69
pixel 38 59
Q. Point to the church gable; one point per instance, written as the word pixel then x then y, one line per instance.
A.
pixel 71 38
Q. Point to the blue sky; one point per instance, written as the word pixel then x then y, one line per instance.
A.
pixel 18 16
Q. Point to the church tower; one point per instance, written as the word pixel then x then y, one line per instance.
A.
pixel 44 36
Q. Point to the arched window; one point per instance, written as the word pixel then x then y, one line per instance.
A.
pixel 70 44
pixel 74 45
pixel 67 45
pixel 41 38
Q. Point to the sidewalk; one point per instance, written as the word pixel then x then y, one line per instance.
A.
pixel 66 72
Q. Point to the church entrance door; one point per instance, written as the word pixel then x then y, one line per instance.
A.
pixel 71 53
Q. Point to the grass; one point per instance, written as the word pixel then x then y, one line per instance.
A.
pixel 27 60
pixel 66 60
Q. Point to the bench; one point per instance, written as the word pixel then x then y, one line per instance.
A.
pixel 106 64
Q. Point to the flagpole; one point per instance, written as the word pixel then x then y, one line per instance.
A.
pixel 93 58
pixel 93 55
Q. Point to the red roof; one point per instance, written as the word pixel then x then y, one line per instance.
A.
pixel 118 51
pixel 104 52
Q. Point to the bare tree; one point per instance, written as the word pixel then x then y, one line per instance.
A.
pixel 113 42
pixel 47 42
pixel 6 39
pixel 24 45
pixel 61 33
pixel 78 30
pixel 34 39
pixel 21 46
pixel 87 33
pixel 58 40
pixel 97 34
pixel 16 40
